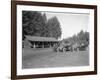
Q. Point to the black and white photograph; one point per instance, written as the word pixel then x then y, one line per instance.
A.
pixel 53 39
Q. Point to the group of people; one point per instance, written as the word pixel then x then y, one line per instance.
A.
pixel 62 47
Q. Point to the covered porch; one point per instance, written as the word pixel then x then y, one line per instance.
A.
pixel 42 42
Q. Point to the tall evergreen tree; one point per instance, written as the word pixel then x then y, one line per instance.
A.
pixel 36 24
pixel 54 27
pixel 32 23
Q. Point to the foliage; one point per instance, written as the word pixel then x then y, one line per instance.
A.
pixel 36 24
pixel 53 27
pixel 32 23
pixel 81 38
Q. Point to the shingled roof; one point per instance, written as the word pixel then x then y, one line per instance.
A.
pixel 36 38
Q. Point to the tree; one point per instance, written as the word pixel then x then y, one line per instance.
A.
pixel 53 26
pixel 32 23
pixel 86 34
pixel 75 38
pixel 44 18
pixel 83 37
pixel 36 24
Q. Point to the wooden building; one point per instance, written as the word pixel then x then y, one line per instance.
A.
pixel 41 42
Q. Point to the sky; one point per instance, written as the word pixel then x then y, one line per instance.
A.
pixel 71 23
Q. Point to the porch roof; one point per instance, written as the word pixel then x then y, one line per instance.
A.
pixel 41 39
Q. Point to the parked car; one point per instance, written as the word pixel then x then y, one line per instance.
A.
pixel 62 47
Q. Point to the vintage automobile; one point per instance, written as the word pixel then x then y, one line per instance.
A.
pixel 61 47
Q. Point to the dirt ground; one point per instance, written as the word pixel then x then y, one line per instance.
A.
pixel 44 58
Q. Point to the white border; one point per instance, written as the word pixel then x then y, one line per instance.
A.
pixel 21 71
